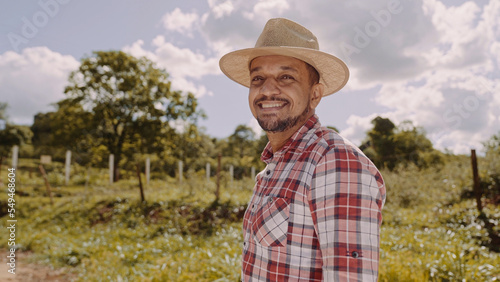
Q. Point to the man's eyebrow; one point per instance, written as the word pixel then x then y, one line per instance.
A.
pixel 255 69
pixel 288 68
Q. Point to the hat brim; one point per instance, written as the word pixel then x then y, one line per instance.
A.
pixel 333 72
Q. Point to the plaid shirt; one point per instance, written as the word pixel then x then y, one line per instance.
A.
pixel 315 214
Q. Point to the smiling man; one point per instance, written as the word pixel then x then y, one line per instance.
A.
pixel 316 210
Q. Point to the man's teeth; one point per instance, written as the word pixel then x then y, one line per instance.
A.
pixel 265 106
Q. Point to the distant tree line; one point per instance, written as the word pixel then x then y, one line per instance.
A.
pixel 389 146
pixel 121 105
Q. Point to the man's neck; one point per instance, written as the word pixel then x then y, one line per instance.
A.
pixel 279 139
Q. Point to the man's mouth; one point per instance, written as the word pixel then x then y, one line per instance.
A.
pixel 272 105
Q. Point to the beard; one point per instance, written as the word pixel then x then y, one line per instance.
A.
pixel 280 125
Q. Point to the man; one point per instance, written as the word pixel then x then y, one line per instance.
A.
pixel 315 213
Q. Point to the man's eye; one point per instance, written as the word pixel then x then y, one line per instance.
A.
pixel 256 78
pixel 286 76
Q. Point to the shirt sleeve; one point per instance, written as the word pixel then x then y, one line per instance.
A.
pixel 346 198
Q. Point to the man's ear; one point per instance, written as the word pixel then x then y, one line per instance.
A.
pixel 316 94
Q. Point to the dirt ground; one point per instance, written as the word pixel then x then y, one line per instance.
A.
pixel 27 272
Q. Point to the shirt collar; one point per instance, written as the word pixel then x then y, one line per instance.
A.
pixel 298 141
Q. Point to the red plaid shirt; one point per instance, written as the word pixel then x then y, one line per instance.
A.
pixel 315 213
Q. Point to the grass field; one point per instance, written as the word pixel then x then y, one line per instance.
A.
pixel 103 232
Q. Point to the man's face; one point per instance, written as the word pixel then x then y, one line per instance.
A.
pixel 280 93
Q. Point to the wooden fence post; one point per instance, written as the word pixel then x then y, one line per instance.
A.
pixel 490 227
pixel 1 161
pixel 67 167
pixel 42 170
pixel 477 185
pixel 148 170
pixel 87 180
pixel 207 172
pixel 111 168
pixel 140 184
pixel 15 153
pixel 180 171
pixel 218 178
pixel 231 174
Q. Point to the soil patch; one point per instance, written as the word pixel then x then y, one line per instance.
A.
pixel 26 271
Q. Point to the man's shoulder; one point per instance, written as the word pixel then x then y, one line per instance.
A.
pixel 332 147
pixel 328 141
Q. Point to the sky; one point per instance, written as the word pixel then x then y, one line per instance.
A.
pixel 435 63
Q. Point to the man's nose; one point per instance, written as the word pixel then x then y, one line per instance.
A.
pixel 269 87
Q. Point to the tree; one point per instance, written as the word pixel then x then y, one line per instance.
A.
pixel 389 146
pixel 240 150
pixel 491 183
pixel 412 146
pixel 193 147
pixel 10 134
pixel 382 143
pixel 240 142
pixel 65 129
pixel 130 100
pixel 493 144
pixel 3 111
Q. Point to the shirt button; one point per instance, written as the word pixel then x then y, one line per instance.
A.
pixel 270 199
pixel 355 254
pixel 268 172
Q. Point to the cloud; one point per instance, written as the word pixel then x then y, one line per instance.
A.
pixel 180 22
pixel 267 9
pixel 427 61
pixel 435 64
pixel 446 102
pixel 183 84
pixel 233 31
pixel 357 128
pixel 463 40
pixel 32 80
pixel 136 49
pixel 182 64
pixel 377 32
pixel 220 8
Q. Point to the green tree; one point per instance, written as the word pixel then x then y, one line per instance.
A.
pixel 65 129
pixel 240 150
pixel 382 143
pixel 3 111
pixel 13 135
pixel 491 183
pixel 241 141
pixel 388 146
pixel 412 146
pixel 10 134
pixel 493 144
pixel 193 147
pixel 131 102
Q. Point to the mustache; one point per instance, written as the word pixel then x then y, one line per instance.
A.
pixel 265 98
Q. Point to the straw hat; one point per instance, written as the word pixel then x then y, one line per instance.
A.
pixel 287 38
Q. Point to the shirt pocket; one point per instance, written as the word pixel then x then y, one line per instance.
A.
pixel 270 226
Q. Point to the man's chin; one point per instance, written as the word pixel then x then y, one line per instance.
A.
pixel 276 126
